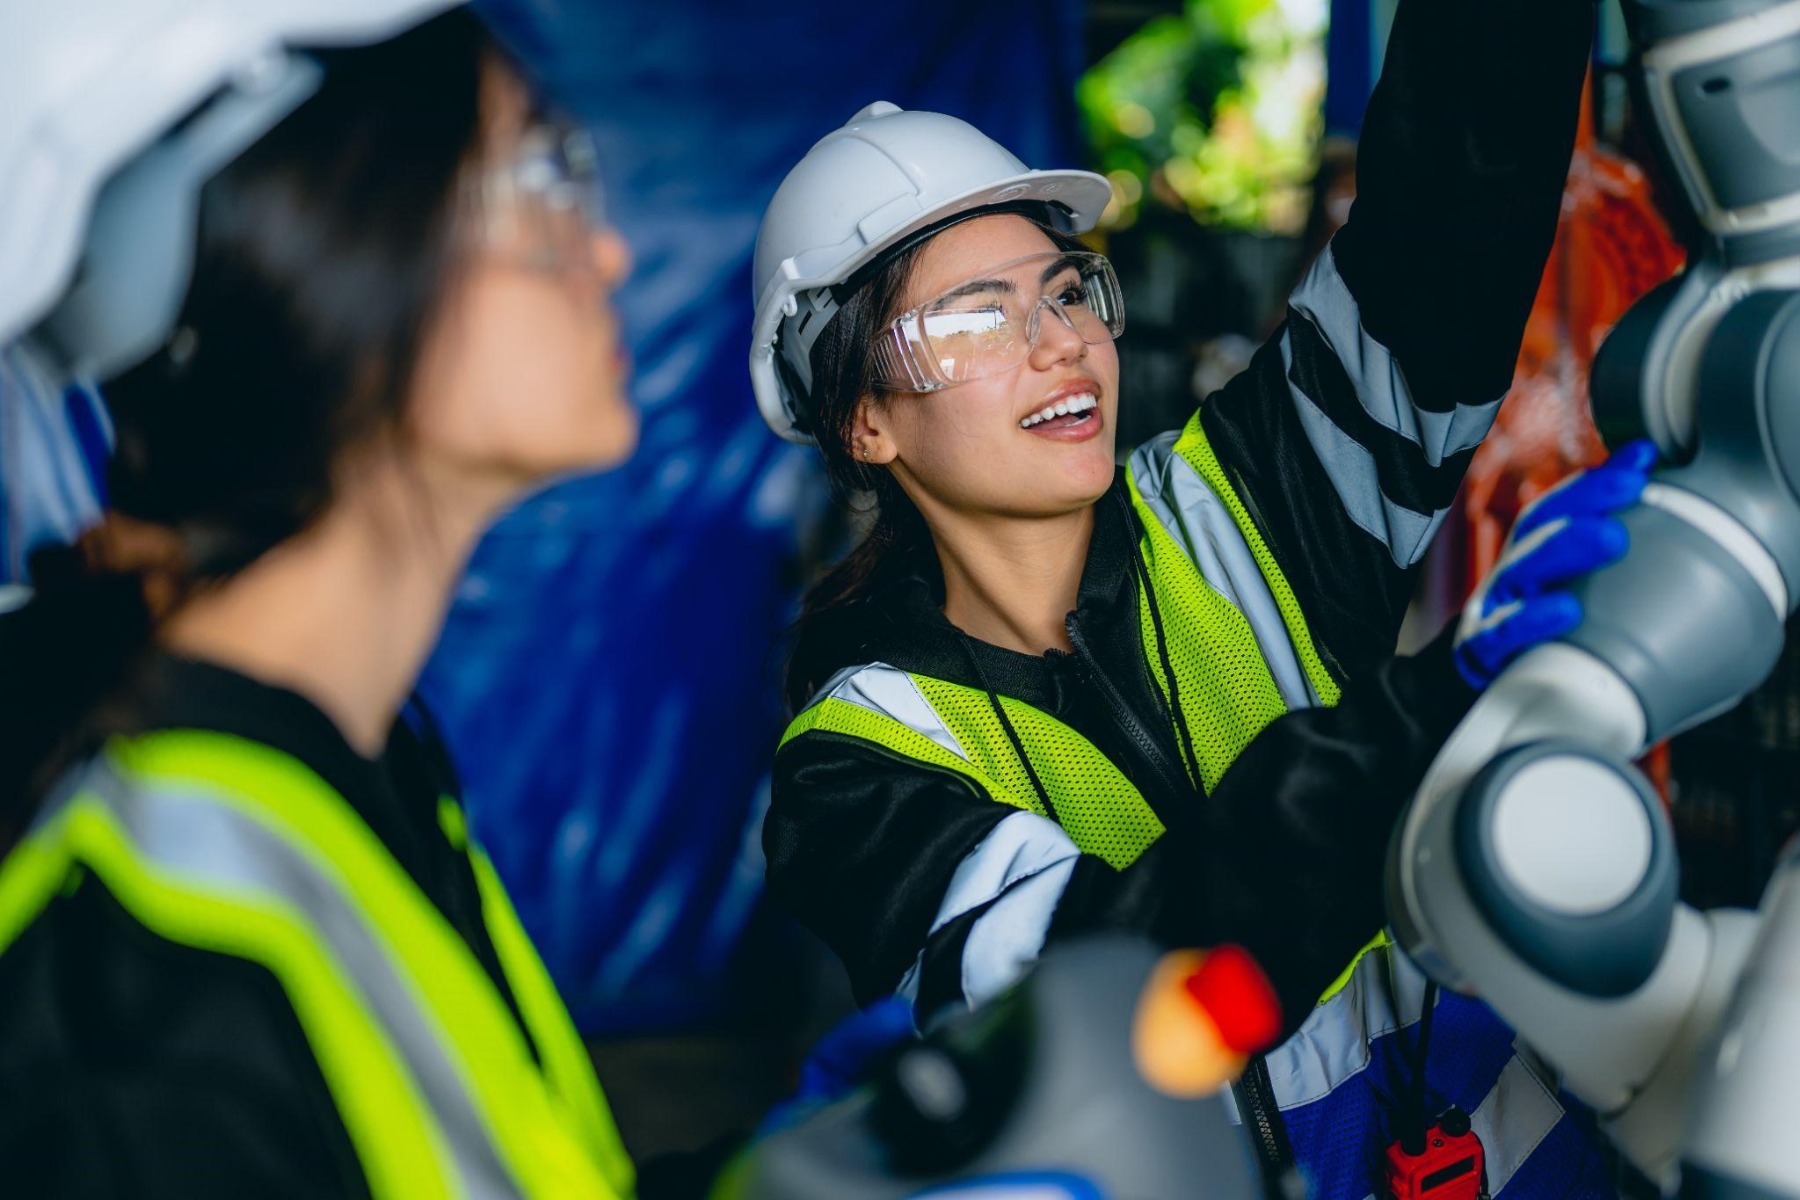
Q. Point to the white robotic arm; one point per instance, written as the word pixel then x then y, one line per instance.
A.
pixel 1536 867
pixel 1538 871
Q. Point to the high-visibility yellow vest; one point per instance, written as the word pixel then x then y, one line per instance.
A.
pixel 1230 624
pixel 230 846
pixel 1237 642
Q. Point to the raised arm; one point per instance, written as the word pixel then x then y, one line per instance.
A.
pixel 1348 436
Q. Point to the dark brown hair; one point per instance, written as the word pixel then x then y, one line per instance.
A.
pixel 898 543
pixel 322 253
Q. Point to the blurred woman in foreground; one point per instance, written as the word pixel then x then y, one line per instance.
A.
pixel 246 946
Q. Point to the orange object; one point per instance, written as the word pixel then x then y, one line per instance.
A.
pixel 1199 1018
pixel 1611 247
pixel 1232 988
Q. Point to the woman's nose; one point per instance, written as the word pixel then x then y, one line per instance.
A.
pixel 1055 337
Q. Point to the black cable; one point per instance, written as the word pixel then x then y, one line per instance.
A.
pixel 1012 735
pixel 1141 574
pixel 1422 1117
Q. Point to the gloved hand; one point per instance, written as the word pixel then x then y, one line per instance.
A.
pixel 846 1057
pixel 1568 532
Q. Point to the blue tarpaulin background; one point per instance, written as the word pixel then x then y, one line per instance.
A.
pixel 606 678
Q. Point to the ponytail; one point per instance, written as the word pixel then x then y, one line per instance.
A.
pixel 896 547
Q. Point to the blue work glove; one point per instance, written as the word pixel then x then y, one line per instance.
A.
pixel 1569 532
pixel 846 1057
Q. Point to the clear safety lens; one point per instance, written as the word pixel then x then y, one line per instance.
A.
pixel 542 209
pixel 987 324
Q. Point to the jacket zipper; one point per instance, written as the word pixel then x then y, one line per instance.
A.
pixel 1174 784
pixel 1255 1096
pixel 1255 1092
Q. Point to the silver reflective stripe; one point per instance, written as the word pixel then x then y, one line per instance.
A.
pixel 1020 869
pixel 1333 1043
pixel 1324 297
pixel 1332 1046
pixel 210 847
pixel 1194 515
pixel 892 693
pixel 1008 938
pixel 1405 533
pixel 1514 1117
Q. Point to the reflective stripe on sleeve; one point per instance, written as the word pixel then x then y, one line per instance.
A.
pixel 1018 873
pixel 1406 534
pixel 891 693
pixel 1418 443
pixel 1326 300
pixel 1199 522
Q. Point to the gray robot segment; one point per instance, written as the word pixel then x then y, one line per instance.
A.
pixel 1608 953
pixel 1681 620
pixel 1739 115
pixel 1081 1107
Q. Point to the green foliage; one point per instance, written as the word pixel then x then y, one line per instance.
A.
pixel 1217 111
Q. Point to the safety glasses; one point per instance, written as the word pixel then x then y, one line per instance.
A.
pixel 988 324
pixel 542 209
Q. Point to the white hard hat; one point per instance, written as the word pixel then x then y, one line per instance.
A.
pixel 864 189
pixel 89 92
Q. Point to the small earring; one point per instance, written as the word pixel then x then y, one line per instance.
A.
pixel 864 452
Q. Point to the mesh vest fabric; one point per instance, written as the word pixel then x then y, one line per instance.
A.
pixel 225 845
pixel 1194 448
pixel 1102 811
pixel 1227 695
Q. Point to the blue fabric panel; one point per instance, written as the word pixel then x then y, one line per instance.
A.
pixel 92 433
pixel 1564 1165
pixel 1339 1140
pixel 1470 1046
pixel 606 678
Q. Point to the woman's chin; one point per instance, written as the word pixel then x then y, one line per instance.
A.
pixel 1089 473
pixel 618 444
pixel 612 433
pixel 1068 495
pixel 605 441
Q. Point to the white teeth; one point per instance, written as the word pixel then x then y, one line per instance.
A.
pixel 1062 408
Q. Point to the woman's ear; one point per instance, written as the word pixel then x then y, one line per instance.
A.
pixel 869 440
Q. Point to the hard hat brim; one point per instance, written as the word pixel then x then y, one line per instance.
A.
pixel 196 46
pixel 1083 193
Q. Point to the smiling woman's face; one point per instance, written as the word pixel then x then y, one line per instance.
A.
pixel 974 448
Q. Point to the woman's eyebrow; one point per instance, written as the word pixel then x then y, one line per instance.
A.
pixel 977 286
pixel 1066 262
